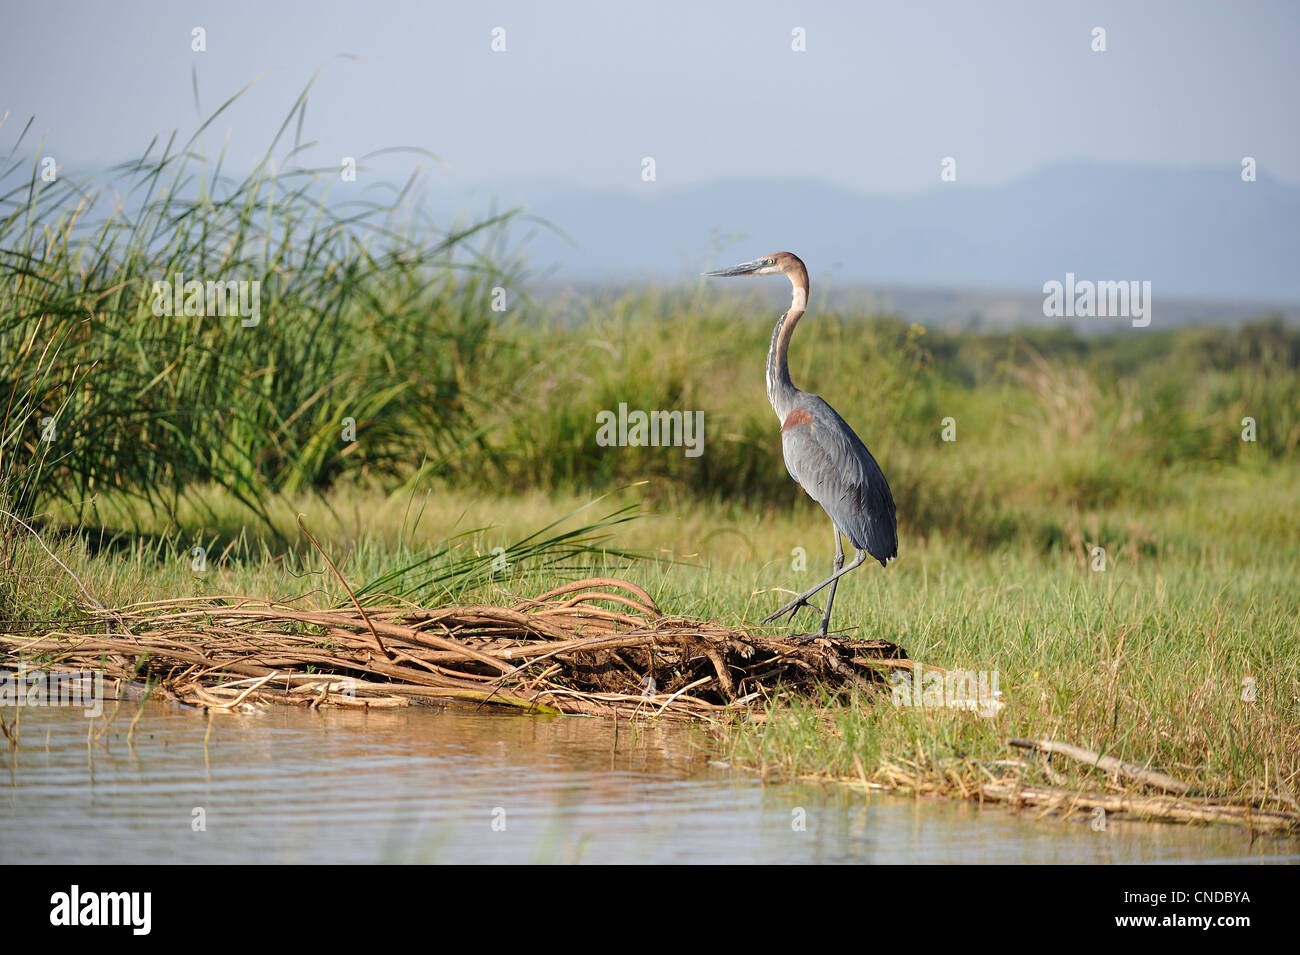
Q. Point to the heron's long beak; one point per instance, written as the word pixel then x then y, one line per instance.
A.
pixel 745 268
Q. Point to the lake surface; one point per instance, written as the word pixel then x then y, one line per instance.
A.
pixel 451 785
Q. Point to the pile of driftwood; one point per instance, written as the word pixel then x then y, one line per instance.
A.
pixel 598 646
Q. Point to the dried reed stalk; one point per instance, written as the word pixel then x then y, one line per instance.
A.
pixel 598 646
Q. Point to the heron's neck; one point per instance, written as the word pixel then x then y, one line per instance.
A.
pixel 781 391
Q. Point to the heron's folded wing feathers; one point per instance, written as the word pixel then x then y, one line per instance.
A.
pixel 837 471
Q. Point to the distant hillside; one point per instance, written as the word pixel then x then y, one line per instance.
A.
pixel 1193 232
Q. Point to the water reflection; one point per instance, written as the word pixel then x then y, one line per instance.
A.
pixel 450 785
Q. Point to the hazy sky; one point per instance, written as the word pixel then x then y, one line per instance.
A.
pixel 584 91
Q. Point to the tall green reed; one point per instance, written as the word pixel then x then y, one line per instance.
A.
pixel 368 320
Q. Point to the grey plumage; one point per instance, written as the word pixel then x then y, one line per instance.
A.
pixel 822 453
pixel 830 462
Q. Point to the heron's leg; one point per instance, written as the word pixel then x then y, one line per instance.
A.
pixel 802 599
pixel 830 598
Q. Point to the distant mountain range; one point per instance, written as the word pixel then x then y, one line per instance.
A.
pixel 1194 233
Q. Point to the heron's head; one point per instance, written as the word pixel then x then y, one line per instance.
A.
pixel 785 263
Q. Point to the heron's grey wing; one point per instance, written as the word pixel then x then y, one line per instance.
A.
pixel 837 471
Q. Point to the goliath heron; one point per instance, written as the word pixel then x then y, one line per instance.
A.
pixel 822 453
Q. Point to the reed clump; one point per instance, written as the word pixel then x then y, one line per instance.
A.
pixel 598 647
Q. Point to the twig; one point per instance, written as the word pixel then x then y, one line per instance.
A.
pixel 85 593
pixel 1107 764
pixel 373 632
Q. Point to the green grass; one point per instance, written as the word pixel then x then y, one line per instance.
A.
pixel 1145 661
pixel 476 428
pixel 356 361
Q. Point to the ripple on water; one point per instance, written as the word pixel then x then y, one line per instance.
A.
pixel 426 785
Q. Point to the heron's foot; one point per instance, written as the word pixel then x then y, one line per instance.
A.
pixel 790 609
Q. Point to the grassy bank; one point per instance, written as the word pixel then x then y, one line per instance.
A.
pixel 1109 523
pixel 1148 661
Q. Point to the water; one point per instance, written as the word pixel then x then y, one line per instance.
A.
pixel 450 785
